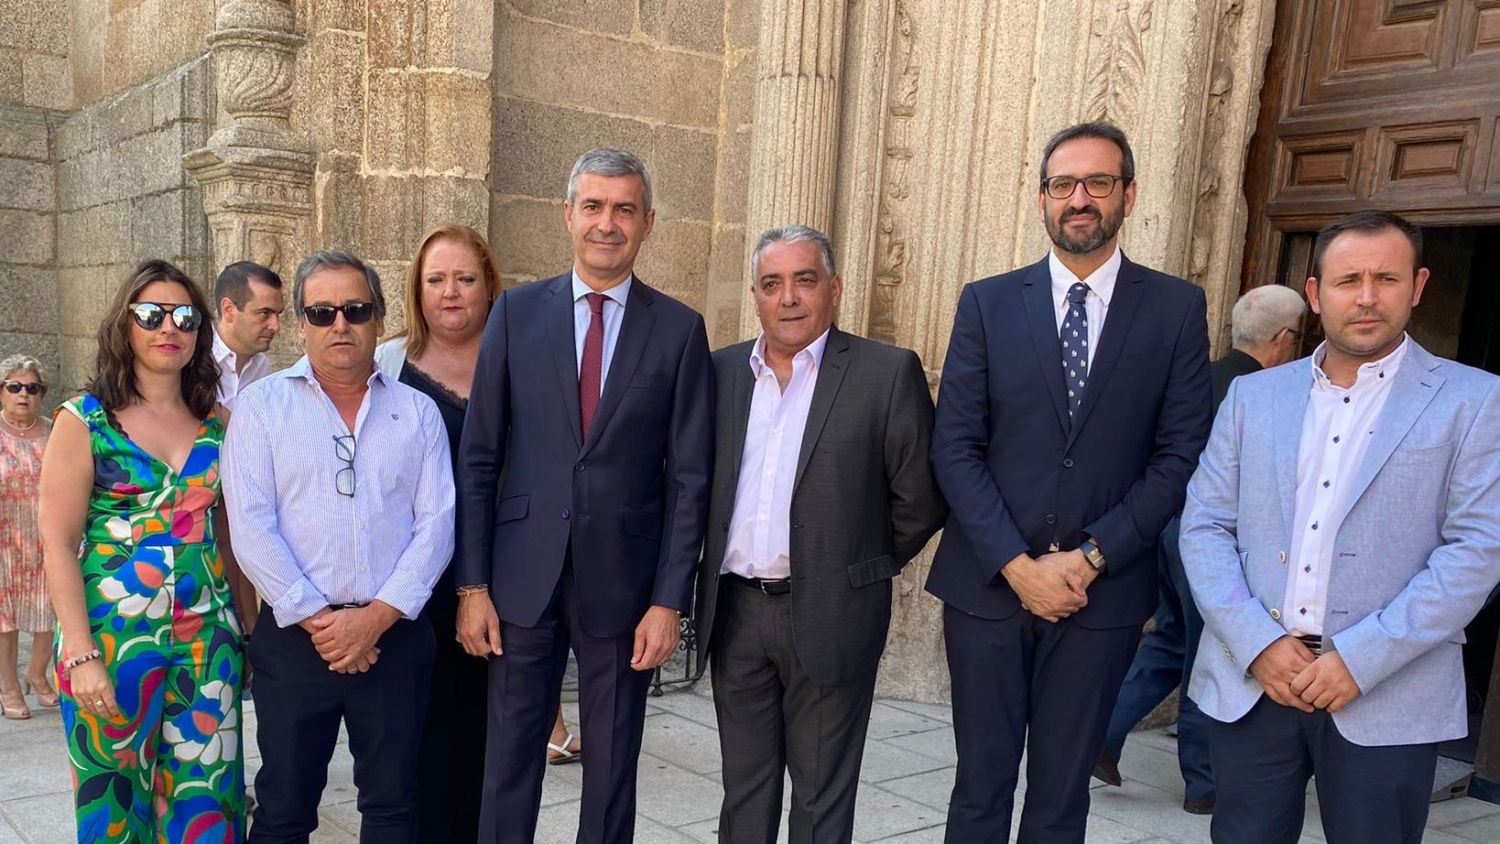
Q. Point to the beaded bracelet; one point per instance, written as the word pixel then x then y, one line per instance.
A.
pixel 81 659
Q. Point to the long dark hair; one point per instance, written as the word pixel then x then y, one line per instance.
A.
pixel 114 369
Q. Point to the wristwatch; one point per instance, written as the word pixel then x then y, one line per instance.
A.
pixel 1091 552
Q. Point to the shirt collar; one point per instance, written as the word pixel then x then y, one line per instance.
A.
pixel 811 353
pixel 1101 282
pixel 1371 372
pixel 222 352
pixel 618 293
pixel 303 369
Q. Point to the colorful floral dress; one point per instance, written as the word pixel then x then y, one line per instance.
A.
pixel 171 769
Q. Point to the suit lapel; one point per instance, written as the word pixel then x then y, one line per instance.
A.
pixel 1036 291
pixel 559 317
pixel 1129 290
pixel 635 332
pixel 741 389
pixel 1417 381
pixel 1288 409
pixel 830 378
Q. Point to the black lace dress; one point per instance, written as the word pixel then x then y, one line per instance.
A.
pixel 451 762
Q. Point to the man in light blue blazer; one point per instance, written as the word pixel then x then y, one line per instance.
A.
pixel 1342 528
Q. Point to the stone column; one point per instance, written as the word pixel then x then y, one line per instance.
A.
pixel 256 175
pixel 794 154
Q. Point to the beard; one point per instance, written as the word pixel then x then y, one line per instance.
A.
pixel 1083 244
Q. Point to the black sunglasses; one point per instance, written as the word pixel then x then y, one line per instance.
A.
pixel 31 389
pixel 149 315
pixel 355 313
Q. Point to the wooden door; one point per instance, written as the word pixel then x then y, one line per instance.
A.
pixel 1389 104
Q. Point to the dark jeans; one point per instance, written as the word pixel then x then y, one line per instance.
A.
pixel 1164 662
pixel 1366 795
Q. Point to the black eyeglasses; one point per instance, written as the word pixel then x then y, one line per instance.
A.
pixel 149 315
pixel 1098 185
pixel 343 449
pixel 14 387
pixel 355 313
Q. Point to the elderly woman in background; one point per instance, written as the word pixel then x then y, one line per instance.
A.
pixel 149 646
pixel 23 590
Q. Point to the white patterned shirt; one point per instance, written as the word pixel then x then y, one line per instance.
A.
pixel 760 529
pixel 304 545
pixel 232 379
pixel 1336 432
pixel 1101 284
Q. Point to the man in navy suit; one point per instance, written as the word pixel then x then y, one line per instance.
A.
pixel 1073 406
pixel 583 488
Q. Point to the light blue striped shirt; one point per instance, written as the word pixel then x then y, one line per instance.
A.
pixel 303 544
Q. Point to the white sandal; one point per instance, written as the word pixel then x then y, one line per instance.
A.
pixel 564 755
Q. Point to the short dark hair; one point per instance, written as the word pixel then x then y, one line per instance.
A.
pixel 1100 129
pixel 1366 222
pixel 332 258
pixel 234 283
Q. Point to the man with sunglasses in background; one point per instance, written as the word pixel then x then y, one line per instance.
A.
pixel 341 505
pixel 1073 406
pixel 248 298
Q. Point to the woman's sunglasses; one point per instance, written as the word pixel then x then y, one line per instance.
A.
pixel 355 313
pixel 149 315
pixel 31 389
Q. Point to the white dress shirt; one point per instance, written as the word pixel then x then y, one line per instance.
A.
pixel 760 529
pixel 304 545
pixel 1336 432
pixel 232 379
pixel 614 315
pixel 1101 284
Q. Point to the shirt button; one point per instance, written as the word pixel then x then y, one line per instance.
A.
pixel 1346 399
pixel 1275 614
pixel 1335 439
pixel 1281 555
pixel 1303 611
pixel 567 514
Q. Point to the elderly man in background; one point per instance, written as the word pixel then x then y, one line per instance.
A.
pixel 341 497
pixel 1266 330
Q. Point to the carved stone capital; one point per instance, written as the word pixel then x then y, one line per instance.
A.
pixel 254 46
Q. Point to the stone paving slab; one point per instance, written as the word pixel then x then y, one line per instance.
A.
pixel 905 781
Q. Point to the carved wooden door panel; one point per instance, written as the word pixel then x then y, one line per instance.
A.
pixel 1388 104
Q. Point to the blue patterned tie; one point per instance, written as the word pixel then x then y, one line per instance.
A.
pixel 1075 345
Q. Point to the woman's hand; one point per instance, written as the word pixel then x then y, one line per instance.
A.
pixel 91 689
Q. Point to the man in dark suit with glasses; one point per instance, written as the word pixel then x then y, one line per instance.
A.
pixel 340 497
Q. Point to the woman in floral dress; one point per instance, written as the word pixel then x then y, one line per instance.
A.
pixel 23 591
pixel 149 653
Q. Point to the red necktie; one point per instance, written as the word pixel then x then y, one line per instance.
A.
pixel 591 373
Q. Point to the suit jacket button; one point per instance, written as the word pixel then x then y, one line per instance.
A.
pixel 1051 519
pixel 1275 614
pixel 567 513
pixel 1067 462
pixel 579 467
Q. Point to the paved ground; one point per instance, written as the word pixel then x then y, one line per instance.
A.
pixel 908 771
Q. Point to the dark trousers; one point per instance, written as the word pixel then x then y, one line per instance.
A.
pixel 1018 675
pixel 1366 795
pixel 774 720
pixel 1164 662
pixel 299 704
pixel 525 686
pixel 450 765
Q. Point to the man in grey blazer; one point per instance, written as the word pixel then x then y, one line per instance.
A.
pixel 821 493
pixel 1341 530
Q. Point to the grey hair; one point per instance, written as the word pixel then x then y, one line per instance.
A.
pixel 12 364
pixel 793 234
pixel 605 161
pixel 331 258
pixel 1263 313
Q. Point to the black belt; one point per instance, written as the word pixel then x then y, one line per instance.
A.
pixel 1314 644
pixel 778 586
